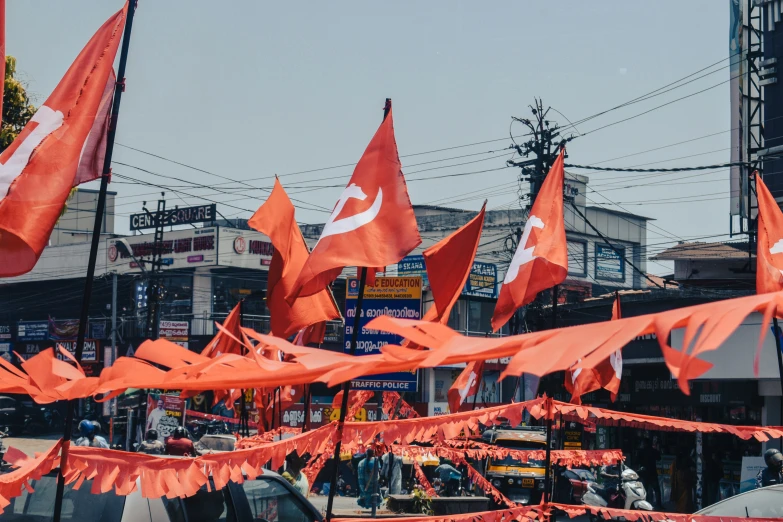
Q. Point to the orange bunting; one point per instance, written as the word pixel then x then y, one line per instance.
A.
pixel 423 482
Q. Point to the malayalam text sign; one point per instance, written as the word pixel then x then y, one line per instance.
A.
pixel 394 296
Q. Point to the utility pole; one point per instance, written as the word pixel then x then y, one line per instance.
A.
pixel 154 289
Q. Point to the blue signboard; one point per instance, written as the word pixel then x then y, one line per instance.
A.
pixel 33 331
pixel 609 263
pixel 482 281
pixel 395 296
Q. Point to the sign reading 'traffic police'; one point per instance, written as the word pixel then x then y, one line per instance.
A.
pixel 175 216
pixel 393 296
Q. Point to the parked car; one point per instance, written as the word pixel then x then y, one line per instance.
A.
pixel 269 497
pixel 766 503
pixel 12 414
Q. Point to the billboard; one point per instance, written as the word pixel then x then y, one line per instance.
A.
pixel 32 331
pixel 181 249
pixel 175 216
pixel 175 331
pixel 165 413
pixel 482 281
pixel 244 248
pixel 609 263
pixel 394 296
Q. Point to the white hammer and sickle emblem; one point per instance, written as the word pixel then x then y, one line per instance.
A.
pixel 523 254
pixel 336 226
pixel 48 121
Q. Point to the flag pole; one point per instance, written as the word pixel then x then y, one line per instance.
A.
pixel 347 384
pixel 344 404
pixel 96 236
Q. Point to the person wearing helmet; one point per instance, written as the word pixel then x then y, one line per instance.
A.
pixel 179 444
pixel 89 437
pixel 151 444
pixel 773 473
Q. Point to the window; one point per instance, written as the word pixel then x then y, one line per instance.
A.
pixel 78 505
pixel 577 258
pixel 480 316
pixel 228 290
pixel 272 501
pixel 204 506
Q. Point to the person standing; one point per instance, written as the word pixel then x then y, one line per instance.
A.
pixel 773 473
pixel 648 461
pixel 368 476
pixel 683 480
pixel 392 471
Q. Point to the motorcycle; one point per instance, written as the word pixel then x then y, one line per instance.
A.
pixel 628 494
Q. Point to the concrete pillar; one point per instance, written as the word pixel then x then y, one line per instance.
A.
pixel 202 302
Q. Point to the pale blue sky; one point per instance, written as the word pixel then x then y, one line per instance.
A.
pixel 247 89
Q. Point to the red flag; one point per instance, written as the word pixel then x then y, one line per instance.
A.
pixel 39 169
pixel 541 259
pixel 449 263
pixel 606 375
pixel 356 399
pixel 275 218
pixel 769 269
pixel 372 224
pixel 222 342
pixel 313 334
pixel 466 385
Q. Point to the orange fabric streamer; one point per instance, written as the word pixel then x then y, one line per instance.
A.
pixel 27 469
pixel 422 478
pixel 486 485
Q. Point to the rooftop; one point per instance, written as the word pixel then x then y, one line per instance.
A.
pixel 704 251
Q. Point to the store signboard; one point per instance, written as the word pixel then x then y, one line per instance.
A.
pixel 244 249
pixel 608 263
pixel 174 216
pixel 32 331
pixel 482 281
pixel 191 248
pixel 89 352
pixel 175 331
pixel 393 296
pixel 5 331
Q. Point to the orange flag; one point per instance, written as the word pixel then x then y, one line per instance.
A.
pixel 372 224
pixel 769 269
pixel 449 263
pixel 607 374
pixel 275 218
pixel 39 169
pixel 541 259
pixel 222 342
pixel 466 385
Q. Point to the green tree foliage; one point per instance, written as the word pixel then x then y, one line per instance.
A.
pixel 17 109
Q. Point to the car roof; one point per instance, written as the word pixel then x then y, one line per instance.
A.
pixel 758 503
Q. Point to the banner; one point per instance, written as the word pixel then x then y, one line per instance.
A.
pixel 398 297
pixel 32 331
pixel 482 282
pixel 164 414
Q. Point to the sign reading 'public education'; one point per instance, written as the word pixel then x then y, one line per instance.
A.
pixel 394 296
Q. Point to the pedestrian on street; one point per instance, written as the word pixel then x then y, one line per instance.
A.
pixel 151 445
pixel 179 444
pixel 392 471
pixel 368 475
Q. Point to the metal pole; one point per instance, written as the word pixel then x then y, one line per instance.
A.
pixel 346 388
pixel 548 478
pixel 780 360
pixel 307 399
pixel 96 236
pixel 280 410
pixel 244 425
